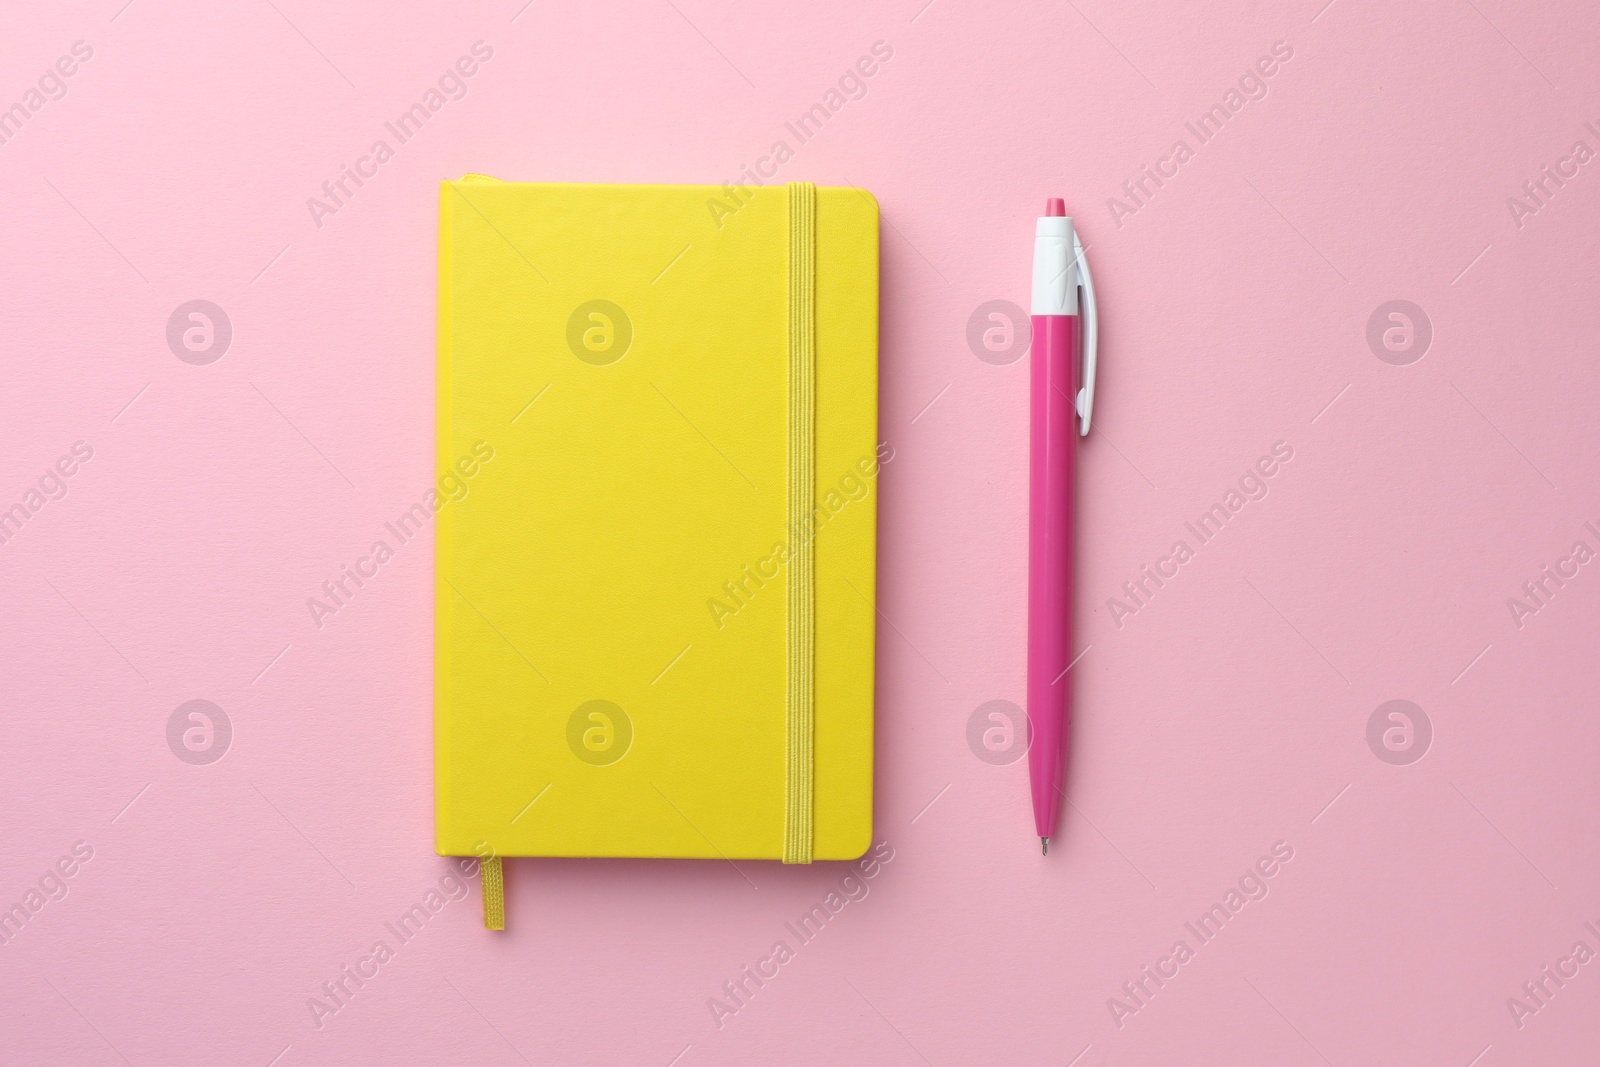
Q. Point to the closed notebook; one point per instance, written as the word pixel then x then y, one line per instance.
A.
pixel 654 603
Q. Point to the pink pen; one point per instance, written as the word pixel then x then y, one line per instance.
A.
pixel 1061 408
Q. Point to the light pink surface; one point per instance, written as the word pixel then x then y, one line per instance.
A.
pixel 1228 714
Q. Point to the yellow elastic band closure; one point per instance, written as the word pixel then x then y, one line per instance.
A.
pixel 800 716
pixel 494 894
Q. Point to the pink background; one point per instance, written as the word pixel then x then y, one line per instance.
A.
pixel 1228 714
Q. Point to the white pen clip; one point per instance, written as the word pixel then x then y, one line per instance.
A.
pixel 1089 317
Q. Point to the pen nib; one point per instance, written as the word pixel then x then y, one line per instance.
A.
pixel 1044 846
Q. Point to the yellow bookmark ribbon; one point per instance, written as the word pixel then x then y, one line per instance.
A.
pixel 494 894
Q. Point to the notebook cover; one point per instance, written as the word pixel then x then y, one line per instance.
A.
pixel 610 602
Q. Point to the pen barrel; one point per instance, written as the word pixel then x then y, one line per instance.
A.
pixel 1052 454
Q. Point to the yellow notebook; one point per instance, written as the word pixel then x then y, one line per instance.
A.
pixel 654 597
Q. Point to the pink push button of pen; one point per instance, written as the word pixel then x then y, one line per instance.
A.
pixel 1061 405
